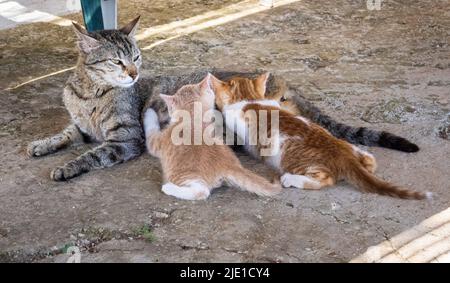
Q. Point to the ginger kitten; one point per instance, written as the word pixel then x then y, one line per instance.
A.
pixel 308 156
pixel 192 171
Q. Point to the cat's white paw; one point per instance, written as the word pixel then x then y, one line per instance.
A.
pixel 287 180
pixel 38 148
pixel 170 189
pixel 186 192
pixel 201 194
pixel 297 181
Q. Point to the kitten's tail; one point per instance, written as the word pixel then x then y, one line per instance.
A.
pixel 249 181
pixel 360 177
pixel 355 135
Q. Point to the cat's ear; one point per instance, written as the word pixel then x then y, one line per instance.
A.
pixel 131 28
pixel 215 82
pixel 168 99
pixel 261 82
pixel 206 85
pixel 86 43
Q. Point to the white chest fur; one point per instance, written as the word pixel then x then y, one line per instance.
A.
pixel 235 121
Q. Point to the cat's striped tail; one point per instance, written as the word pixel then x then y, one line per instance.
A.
pixel 363 179
pixel 251 182
pixel 355 135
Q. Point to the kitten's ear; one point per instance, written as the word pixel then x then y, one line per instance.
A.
pixel 215 82
pixel 206 84
pixel 168 99
pixel 86 43
pixel 261 82
pixel 131 28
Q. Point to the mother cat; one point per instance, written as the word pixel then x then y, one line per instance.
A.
pixel 105 104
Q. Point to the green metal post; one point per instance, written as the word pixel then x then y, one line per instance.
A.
pixel 92 14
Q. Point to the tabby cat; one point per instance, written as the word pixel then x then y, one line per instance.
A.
pixel 102 103
pixel 307 156
pixel 192 170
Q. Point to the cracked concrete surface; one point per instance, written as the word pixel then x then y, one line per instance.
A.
pixel 387 69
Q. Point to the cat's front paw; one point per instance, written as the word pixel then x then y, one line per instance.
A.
pixel 38 148
pixel 287 180
pixel 63 173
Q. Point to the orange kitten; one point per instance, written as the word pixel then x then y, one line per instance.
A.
pixel 192 171
pixel 308 156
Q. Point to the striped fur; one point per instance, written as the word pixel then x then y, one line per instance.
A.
pixel 307 155
pixel 192 171
pixel 355 135
pixel 103 103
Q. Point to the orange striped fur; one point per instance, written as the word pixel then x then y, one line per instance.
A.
pixel 311 157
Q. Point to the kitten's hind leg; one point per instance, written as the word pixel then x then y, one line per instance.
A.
pixel 289 180
pixel 321 175
pixel 367 160
pixel 194 190
pixel 70 135
pixel 313 178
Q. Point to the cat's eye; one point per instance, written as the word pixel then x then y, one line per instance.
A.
pixel 136 58
pixel 116 61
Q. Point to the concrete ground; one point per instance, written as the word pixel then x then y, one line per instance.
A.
pixel 386 69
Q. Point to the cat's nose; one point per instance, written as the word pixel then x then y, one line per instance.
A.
pixel 132 71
